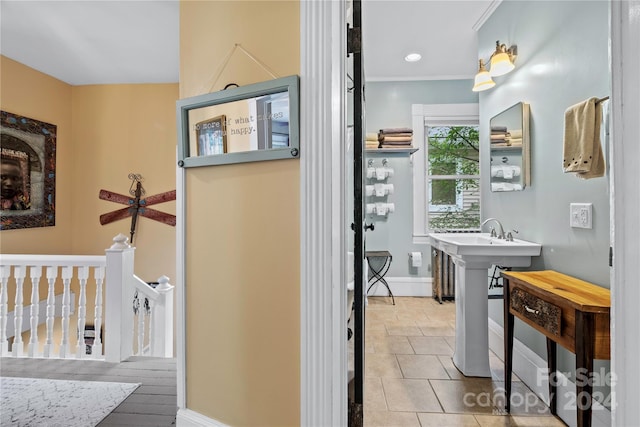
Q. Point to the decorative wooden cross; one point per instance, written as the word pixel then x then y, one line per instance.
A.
pixel 137 205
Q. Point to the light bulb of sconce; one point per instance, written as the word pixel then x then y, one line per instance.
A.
pixel 501 61
pixel 483 80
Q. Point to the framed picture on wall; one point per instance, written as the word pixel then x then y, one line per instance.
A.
pixel 251 123
pixel 212 136
pixel 28 169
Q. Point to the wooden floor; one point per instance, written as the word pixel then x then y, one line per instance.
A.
pixel 152 404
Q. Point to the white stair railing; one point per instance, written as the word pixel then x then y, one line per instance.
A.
pixel 13 324
pixel 153 307
pixel 63 317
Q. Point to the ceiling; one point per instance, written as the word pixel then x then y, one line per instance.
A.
pixel 94 42
pixel 137 41
pixel 441 31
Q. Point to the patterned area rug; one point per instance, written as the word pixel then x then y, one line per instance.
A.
pixel 31 402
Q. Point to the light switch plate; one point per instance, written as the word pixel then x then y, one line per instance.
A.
pixel 581 215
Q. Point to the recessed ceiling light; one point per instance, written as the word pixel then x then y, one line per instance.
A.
pixel 413 57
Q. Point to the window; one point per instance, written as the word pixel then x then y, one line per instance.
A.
pixel 446 177
pixel 453 177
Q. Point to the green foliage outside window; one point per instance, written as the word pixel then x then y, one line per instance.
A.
pixel 456 220
pixel 453 150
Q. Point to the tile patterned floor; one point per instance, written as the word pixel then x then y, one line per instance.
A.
pixel 411 380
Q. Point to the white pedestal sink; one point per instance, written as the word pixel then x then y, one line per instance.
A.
pixel 473 254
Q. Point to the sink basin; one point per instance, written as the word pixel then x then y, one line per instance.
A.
pixel 484 251
pixel 482 244
pixel 473 254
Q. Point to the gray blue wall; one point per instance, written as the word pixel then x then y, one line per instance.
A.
pixel 388 104
pixel 562 60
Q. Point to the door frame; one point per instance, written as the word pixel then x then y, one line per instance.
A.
pixel 323 219
pixel 625 231
pixel 323 336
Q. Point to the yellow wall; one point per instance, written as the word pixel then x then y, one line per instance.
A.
pixel 29 93
pixel 243 240
pixel 118 130
pixel 104 133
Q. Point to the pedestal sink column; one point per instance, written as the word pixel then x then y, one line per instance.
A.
pixel 471 355
pixel 473 254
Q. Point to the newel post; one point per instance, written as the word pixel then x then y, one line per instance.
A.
pixel 118 321
pixel 162 341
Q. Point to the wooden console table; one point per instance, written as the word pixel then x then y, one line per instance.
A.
pixel 569 312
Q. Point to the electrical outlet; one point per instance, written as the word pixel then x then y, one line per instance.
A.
pixel 581 215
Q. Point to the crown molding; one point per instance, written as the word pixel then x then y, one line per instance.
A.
pixel 487 13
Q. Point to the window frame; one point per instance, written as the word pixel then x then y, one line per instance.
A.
pixel 432 115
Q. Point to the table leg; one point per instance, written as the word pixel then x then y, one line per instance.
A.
pixel 508 347
pixel 553 377
pixel 585 342
pixel 393 300
pixel 378 275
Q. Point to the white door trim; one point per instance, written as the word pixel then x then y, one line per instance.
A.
pixel 322 394
pixel 323 227
pixel 181 319
pixel 625 202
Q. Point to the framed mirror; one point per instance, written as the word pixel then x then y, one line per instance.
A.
pixel 250 123
pixel 510 149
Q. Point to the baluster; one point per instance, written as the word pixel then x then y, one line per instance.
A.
pixel 5 273
pixel 141 333
pixel 52 275
pixel 96 349
pixel 67 274
pixel 141 328
pixel 163 319
pixel 83 275
pixel 35 272
pixel 151 306
pixel 19 272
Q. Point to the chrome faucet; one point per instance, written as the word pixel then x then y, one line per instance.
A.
pixel 501 234
pixel 509 237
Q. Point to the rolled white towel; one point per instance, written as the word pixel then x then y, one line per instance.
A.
pixel 505 186
pixel 507 172
pixel 371 172
pixel 503 171
pixel 381 190
pixel 383 173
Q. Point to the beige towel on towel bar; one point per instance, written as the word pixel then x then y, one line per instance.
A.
pixel 582 151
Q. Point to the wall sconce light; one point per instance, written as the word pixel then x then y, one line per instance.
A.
pixel 502 59
pixel 483 80
pixel 500 63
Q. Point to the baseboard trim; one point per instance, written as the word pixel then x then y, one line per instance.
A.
pixel 189 418
pixel 403 287
pixel 532 370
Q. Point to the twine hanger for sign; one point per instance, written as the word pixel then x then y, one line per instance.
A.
pixel 228 58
